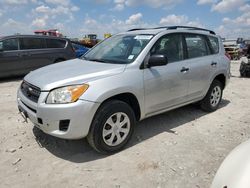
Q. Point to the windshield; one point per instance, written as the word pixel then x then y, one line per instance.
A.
pixel 119 49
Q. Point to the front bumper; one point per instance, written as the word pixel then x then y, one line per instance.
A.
pixel 47 117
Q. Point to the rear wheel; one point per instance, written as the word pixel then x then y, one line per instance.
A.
pixel 213 97
pixel 112 127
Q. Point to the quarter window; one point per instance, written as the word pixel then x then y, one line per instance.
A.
pixel 196 46
pixel 9 44
pixel 32 43
pixel 170 46
pixel 214 44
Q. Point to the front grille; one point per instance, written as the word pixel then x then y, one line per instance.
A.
pixel 30 91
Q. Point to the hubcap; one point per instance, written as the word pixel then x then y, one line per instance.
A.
pixel 215 96
pixel 116 129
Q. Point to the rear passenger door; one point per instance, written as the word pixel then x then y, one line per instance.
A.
pixel 201 64
pixel 32 51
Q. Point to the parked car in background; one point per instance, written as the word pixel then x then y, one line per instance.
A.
pixel 230 42
pixel 79 48
pixel 20 54
pixel 124 79
pixel 246 49
pixel 232 48
pixel 233 51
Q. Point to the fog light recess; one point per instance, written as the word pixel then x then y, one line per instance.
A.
pixel 64 125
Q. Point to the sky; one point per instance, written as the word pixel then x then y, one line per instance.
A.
pixel 75 18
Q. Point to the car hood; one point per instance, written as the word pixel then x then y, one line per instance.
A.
pixel 76 71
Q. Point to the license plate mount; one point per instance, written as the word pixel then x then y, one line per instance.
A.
pixel 24 114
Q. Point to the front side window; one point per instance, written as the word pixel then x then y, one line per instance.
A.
pixel 196 46
pixel 214 44
pixel 119 49
pixel 170 46
pixel 31 43
pixel 9 45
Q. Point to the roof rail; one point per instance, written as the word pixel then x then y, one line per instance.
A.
pixel 137 29
pixel 187 27
pixel 175 27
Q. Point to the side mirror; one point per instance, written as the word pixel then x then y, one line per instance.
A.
pixel 157 60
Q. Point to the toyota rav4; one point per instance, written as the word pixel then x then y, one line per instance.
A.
pixel 125 79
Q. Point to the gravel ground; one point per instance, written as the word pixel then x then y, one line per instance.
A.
pixel 182 148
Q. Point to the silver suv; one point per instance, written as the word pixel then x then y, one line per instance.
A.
pixel 124 79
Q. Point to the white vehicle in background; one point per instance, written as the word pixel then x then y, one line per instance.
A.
pixel 232 48
pixel 234 172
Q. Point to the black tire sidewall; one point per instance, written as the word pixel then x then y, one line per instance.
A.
pixel 100 119
pixel 206 104
pixel 242 71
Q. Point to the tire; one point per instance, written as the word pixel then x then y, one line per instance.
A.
pixel 104 130
pixel 212 100
pixel 242 69
pixel 242 74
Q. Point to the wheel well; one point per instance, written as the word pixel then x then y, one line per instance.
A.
pixel 222 79
pixel 131 100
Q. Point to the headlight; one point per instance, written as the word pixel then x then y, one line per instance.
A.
pixel 67 94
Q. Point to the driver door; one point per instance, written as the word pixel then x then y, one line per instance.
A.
pixel 166 86
pixel 9 57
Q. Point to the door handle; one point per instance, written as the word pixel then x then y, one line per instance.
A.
pixel 184 69
pixel 213 63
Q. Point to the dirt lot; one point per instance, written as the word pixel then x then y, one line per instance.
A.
pixel 182 148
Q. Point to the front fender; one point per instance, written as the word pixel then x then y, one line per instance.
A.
pixel 129 82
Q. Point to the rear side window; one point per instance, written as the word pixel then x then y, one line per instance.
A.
pixel 9 44
pixel 214 44
pixel 54 43
pixel 196 46
pixel 170 46
pixel 32 43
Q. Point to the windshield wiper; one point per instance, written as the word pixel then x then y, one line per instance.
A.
pixel 98 60
pixel 112 61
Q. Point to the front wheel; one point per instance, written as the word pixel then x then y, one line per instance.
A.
pixel 112 127
pixel 213 97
